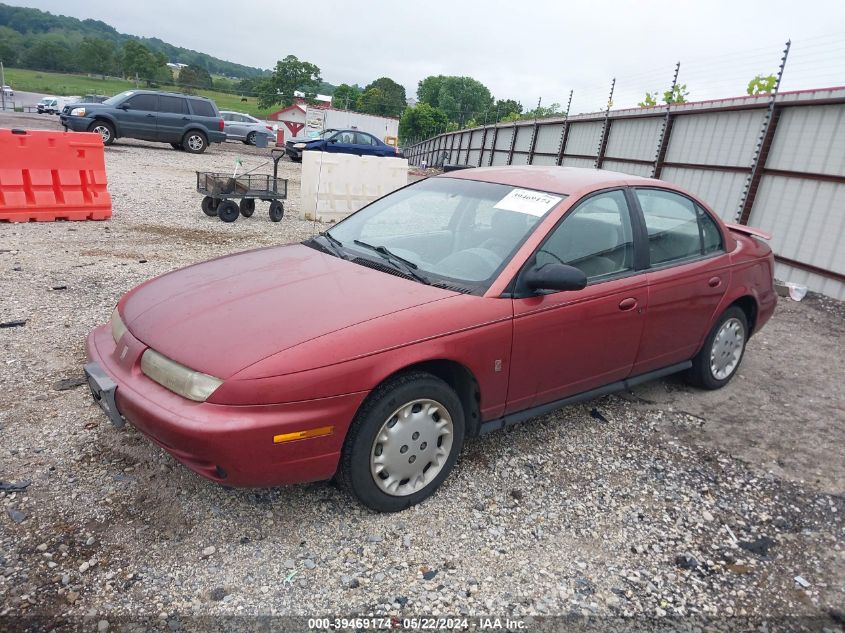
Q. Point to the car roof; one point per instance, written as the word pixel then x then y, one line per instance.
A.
pixel 165 92
pixel 564 180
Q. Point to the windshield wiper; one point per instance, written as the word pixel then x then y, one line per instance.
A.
pixel 335 244
pixel 408 267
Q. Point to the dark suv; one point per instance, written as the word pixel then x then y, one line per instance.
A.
pixel 185 121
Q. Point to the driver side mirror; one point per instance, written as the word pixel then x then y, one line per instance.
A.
pixel 123 106
pixel 555 277
pixel 333 140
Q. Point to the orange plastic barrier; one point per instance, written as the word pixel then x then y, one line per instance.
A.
pixel 46 176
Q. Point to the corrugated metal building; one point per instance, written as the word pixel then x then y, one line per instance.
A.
pixel 797 191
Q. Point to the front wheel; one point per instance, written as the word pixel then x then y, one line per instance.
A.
pixel 719 358
pixel 403 442
pixel 228 210
pixel 104 129
pixel 194 142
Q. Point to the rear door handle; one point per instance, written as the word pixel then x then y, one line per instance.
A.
pixel 628 304
pixel 151 115
pixel 715 282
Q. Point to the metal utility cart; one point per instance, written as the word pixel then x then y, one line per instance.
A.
pixel 222 190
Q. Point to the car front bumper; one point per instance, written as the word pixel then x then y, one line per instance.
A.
pixel 75 123
pixel 232 445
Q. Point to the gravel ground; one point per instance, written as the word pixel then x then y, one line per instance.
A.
pixel 666 503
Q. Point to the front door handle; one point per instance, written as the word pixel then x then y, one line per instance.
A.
pixel 151 115
pixel 714 282
pixel 628 304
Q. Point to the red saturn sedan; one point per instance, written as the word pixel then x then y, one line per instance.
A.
pixel 452 307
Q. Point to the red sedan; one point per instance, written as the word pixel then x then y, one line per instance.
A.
pixel 454 306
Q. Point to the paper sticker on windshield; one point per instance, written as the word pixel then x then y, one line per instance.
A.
pixel 526 201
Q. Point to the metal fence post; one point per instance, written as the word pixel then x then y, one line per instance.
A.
pixel 605 131
pixel 493 145
pixel 764 143
pixel 513 143
pixel 564 133
pixel 665 131
pixel 483 143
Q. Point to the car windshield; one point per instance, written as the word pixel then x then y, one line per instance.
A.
pixel 118 98
pixel 458 232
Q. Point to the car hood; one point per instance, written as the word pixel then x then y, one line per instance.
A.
pixel 224 315
pixel 89 107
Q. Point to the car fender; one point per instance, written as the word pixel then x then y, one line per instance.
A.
pixel 109 118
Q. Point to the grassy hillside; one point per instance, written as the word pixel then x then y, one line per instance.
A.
pixel 67 84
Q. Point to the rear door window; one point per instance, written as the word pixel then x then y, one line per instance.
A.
pixel 678 229
pixel 202 108
pixel 172 105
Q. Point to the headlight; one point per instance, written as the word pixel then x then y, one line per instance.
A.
pixel 77 112
pixel 118 329
pixel 177 378
pixel 299 146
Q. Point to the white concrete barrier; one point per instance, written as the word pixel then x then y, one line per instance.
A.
pixel 335 185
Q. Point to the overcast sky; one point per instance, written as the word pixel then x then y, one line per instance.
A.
pixel 519 49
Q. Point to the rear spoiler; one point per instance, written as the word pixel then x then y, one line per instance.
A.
pixel 747 230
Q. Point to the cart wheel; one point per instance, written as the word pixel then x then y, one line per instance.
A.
pixel 277 210
pixel 228 211
pixel 209 206
pixel 247 207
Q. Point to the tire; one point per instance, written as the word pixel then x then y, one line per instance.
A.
pixel 432 431
pixel 194 142
pixel 176 146
pixel 247 207
pixel 277 211
pixel 250 138
pixel 721 355
pixel 104 129
pixel 210 205
pixel 228 210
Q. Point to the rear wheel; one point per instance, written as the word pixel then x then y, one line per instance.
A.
pixel 250 138
pixel 104 129
pixel 719 358
pixel 277 210
pixel 247 207
pixel 194 142
pixel 228 211
pixel 403 442
pixel 209 206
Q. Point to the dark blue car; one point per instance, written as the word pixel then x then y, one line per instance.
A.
pixel 340 142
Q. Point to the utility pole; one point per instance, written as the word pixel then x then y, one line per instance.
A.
pixel 2 90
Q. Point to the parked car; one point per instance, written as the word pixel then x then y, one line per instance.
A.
pixel 244 127
pixel 8 92
pixel 54 105
pixel 340 142
pixel 185 121
pixel 452 307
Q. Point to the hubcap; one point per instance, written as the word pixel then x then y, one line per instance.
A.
pixel 727 349
pixel 195 142
pixel 103 131
pixel 411 447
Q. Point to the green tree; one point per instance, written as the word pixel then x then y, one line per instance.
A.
pixel 11 46
pixel 194 77
pixel 392 97
pixel 345 97
pixel 648 101
pixel 96 55
pixel 370 101
pixel 503 108
pixel 421 121
pixel 461 98
pixel 48 52
pixel 761 84
pixel 543 112
pixel 289 76
pixel 141 61
pixel 511 116
pixel 678 94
